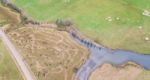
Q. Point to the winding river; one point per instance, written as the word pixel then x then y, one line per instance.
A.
pixel 100 55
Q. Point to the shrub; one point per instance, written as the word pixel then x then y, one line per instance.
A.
pixel 59 23
pixel 64 23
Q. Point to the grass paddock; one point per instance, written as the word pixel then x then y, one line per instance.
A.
pixel 8 69
pixel 112 23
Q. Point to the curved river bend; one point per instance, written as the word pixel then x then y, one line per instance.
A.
pixel 100 55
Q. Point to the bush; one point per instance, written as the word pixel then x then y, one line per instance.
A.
pixel 64 23
pixel 59 23
pixel 68 22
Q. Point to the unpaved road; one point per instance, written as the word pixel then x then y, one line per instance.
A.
pixel 17 57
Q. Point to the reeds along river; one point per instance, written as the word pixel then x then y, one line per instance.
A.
pixel 100 55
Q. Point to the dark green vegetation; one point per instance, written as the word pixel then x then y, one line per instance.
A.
pixel 8 69
pixel 113 23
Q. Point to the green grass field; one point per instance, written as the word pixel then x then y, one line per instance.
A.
pixel 8 69
pixel 121 32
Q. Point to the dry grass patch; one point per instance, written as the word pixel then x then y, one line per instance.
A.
pixel 7 16
pixel 51 54
pixel 127 72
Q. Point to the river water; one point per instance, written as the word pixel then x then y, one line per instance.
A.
pixel 100 55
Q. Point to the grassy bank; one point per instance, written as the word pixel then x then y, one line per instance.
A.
pixel 8 69
pixel 112 23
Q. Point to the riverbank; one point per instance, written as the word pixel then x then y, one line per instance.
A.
pixel 101 55
pixel 109 72
pixel 129 72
